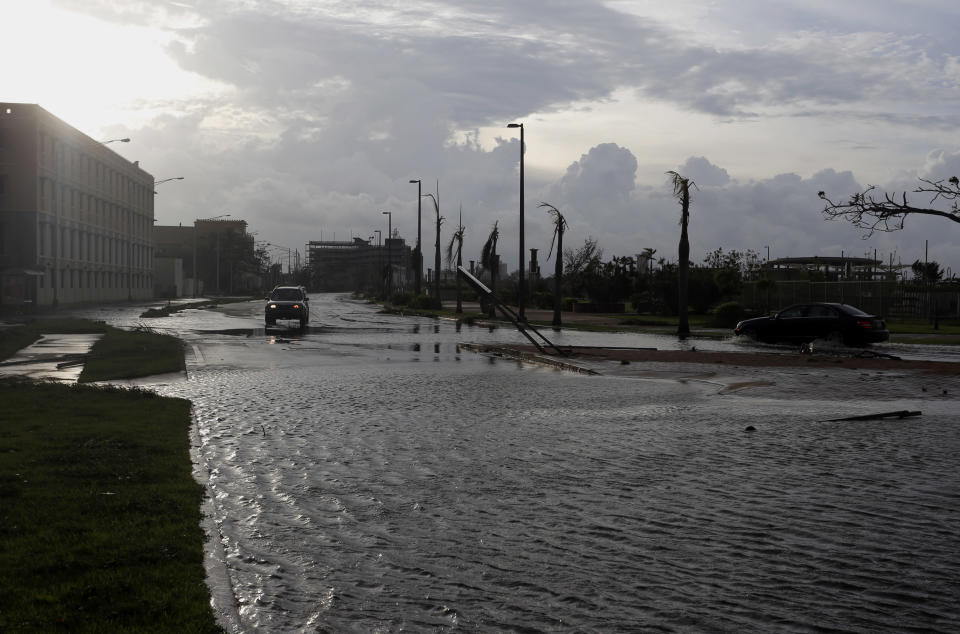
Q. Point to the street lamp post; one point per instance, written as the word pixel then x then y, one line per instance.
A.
pixel 289 265
pixel 166 180
pixel 379 257
pixel 521 291
pixel 419 258
pixel 389 215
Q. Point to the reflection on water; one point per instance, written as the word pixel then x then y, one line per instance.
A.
pixel 356 489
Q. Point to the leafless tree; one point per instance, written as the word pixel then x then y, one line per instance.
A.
pixel 490 260
pixel 887 212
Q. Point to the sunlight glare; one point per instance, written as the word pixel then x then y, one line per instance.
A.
pixel 93 74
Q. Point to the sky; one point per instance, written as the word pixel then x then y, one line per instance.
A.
pixel 308 118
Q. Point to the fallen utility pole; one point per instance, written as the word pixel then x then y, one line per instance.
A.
pixel 903 413
pixel 518 322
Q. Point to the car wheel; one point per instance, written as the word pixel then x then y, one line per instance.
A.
pixel 303 322
pixel 751 334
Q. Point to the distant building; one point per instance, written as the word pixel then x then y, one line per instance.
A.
pixel 214 256
pixel 358 264
pixel 831 268
pixel 76 218
pixel 173 261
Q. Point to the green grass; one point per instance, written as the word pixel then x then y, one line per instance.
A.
pixel 701 325
pixel 923 327
pixel 127 354
pixel 937 340
pixel 99 512
pixel 16 337
pixel 664 321
pixel 120 354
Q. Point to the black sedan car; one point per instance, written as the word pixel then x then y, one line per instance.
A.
pixel 287 302
pixel 803 323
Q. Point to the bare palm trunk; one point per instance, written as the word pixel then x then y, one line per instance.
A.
pixel 492 310
pixel 683 327
pixel 557 280
pixel 459 264
pixel 436 269
pixel 681 190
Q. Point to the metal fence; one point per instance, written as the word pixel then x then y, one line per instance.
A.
pixel 886 299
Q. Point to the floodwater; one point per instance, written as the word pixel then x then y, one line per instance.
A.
pixel 370 476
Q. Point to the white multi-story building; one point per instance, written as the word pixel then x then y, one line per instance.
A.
pixel 76 218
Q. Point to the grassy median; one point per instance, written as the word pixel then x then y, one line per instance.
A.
pixel 120 354
pixel 99 512
pixel 127 354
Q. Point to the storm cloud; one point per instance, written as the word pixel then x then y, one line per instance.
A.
pixel 317 114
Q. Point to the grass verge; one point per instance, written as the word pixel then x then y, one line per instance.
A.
pixel 16 337
pixel 120 354
pixel 99 512
pixel 702 326
pixel 127 354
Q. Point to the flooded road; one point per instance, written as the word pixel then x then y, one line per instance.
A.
pixel 368 475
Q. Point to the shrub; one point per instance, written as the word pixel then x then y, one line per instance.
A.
pixel 542 299
pixel 727 315
pixel 401 299
pixel 423 301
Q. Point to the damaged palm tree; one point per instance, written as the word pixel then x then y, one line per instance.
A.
pixel 559 227
pixel 681 190
pixel 457 238
pixel 490 261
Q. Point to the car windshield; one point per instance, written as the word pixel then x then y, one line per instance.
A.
pixel 285 294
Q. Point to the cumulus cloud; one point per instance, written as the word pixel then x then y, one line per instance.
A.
pixel 600 184
pixel 941 165
pixel 703 172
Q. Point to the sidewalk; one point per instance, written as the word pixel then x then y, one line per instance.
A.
pixel 58 357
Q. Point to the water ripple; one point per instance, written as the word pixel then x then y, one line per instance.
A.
pixel 359 489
